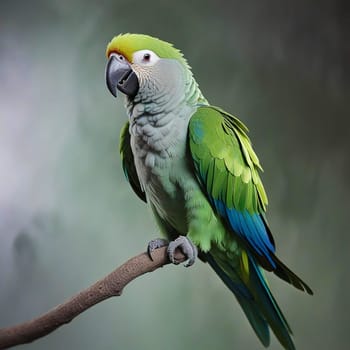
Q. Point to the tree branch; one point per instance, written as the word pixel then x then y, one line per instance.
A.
pixel 110 286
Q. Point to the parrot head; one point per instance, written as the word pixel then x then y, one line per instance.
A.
pixel 146 66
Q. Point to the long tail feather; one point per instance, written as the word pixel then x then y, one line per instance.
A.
pixel 246 301
pixel 257 302
pixel 268 306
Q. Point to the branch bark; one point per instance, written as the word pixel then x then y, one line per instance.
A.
pixel 109 286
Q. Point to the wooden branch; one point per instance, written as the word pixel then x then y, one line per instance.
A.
pixel 110 286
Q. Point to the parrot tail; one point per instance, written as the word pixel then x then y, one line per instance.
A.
pixel 258 303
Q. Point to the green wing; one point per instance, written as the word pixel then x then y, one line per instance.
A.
pixel 227 167
pixel 128 162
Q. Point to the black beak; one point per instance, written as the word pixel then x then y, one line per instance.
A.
pixel 119 75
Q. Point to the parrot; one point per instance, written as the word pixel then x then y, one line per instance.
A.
pixel 194 165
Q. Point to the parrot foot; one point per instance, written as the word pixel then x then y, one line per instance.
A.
pixel 155 244
pixel 187 247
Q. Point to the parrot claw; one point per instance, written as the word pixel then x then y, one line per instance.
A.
pixel 187 247
pixel 155 244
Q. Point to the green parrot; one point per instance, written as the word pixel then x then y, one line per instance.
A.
pixel 194 165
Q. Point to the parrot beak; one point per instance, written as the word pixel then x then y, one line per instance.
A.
pixel 119 75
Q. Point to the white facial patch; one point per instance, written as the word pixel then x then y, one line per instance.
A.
pixel 145 58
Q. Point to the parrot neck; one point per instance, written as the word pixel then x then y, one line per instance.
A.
pixel 166 99
pixel 158 121
pixel 165 108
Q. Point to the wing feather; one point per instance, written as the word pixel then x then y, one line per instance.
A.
pixel 128 164
pixel 228 167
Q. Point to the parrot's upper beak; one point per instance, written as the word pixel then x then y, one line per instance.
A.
pixel 119 75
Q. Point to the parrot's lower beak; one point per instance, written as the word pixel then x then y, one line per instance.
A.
pixel 119 75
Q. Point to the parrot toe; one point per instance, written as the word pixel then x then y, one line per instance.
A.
pixel 155 244
pixel 187 247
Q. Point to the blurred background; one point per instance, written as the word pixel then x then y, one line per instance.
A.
pixel 68 216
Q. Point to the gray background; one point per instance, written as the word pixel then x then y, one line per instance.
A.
pixel 68 217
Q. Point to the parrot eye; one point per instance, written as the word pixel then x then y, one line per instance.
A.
pixel 145 58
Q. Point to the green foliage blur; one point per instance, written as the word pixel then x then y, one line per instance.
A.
pixel 68 216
